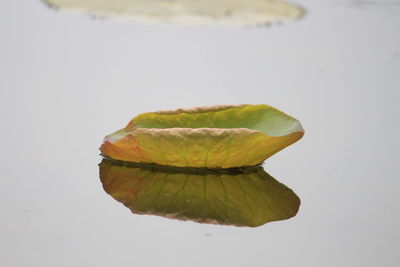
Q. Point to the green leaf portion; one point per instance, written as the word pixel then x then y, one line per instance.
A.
pixel 241 197
pixel 263 118
pixel 212 137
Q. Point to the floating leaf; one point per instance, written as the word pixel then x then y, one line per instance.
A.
pixel 212 137
pixel 243 12
pixel 241 197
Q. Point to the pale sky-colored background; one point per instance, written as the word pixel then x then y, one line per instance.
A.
pixel 67 80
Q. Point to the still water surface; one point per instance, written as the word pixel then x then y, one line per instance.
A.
pixel 67 80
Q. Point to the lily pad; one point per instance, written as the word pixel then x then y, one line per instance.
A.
pixel 212 137
pixel 241 197
pixel 245 12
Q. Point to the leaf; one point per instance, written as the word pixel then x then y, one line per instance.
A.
pixel 241 197
pixel 243 12
pixel 212 137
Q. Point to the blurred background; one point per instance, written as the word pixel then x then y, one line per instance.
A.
pixel 70 78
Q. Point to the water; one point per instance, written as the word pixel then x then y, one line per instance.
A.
pixel 67 80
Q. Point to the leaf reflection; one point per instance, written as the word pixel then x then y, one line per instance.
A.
pixel 241 197
pixel 244 12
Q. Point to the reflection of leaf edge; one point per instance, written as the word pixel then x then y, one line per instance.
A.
pixel 173 169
